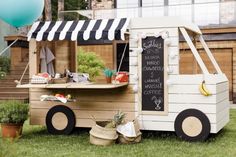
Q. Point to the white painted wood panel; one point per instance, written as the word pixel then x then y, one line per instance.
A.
pixel 173 61
pixel 133 43
pixel 160 22
pixel 197 98
pixel 173 49
pixel 169 126
pixel 173 55
pixel 213 118
pixel 215 128
pixel 133 54
pixel 191 89
pixel 220 115
pixel 133 70
pixel 133 79
pixel 205 108
pixel 173 69
pixel 198 78
pixel 154 125
pixel 133 61
pixel 222 123
pixel 174 42
pixel 173 32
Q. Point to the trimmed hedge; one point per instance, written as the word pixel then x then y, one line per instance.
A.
pixel 5 64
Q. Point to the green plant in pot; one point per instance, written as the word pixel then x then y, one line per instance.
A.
pixel 109 73
pixel 89 62
pixel 12 117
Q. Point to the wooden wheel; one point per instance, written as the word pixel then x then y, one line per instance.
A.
pixel 60 120
pixel 192 125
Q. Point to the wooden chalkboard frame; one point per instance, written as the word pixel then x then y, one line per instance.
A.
pixel 165 112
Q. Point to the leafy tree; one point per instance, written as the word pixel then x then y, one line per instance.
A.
pixel 69 5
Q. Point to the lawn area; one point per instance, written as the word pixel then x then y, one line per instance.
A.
pixel 36 142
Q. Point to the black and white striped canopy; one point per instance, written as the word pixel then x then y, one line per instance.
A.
pixel 106 29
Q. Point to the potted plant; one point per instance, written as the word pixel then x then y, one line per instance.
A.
pixel 12 117
pixel 109 73
pixel 90 63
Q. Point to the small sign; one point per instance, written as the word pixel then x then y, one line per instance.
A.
pixel 153 81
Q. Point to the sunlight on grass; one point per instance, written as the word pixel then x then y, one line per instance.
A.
pixel 36 142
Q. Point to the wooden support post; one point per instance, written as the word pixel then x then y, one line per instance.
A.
pixel 73 56
pixel 32 58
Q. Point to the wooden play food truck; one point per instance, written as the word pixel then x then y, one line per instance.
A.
pixel 192 105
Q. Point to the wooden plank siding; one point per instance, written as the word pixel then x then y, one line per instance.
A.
pixel 101 104
pixel 64 51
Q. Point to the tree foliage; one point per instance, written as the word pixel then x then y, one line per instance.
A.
pixel 5 64
pixel 69 5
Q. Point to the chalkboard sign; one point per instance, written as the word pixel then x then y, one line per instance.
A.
pixel 153 74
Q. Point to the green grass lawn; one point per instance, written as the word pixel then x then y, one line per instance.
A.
pixel 36 142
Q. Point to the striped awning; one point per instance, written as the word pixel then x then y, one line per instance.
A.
pixel 105 29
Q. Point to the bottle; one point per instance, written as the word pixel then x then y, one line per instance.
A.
pixel 65 73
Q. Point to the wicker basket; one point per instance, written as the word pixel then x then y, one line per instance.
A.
pixel 60 80
pixel 99 135
pixel 130 140
pixel 100 141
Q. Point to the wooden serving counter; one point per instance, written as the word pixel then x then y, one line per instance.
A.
pixel 74 85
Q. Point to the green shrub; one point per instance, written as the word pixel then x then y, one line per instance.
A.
pixel 89 62
pixel 5 64
pixel 13 112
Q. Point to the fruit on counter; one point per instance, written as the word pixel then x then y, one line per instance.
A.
pixel 59 95
pixel 45 75
pixel 122 77
pixel 68 96
pixel 203 89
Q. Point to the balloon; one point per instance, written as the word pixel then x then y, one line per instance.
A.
pixel 20 13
